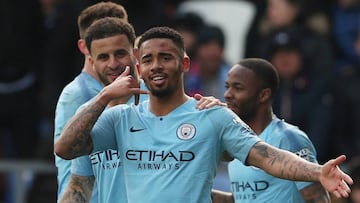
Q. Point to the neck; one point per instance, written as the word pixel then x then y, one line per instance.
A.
pixel 161 106
pixel 261 120
pixel 89 69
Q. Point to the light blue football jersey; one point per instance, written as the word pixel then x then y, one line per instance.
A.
pixel 253 185
pixel 75 94
pixel 107 168
pixel 171 158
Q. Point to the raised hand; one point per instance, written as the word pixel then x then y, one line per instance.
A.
pixel 121 89
pixel 334 179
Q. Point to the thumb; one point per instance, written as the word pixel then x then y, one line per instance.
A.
pixel 126 71
pixel 339 160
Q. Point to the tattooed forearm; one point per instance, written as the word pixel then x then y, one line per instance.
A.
pixel 75 138
pixel 79 189
pixel 282 164
pixel 81 127
pixel 271 155
pixel 73 197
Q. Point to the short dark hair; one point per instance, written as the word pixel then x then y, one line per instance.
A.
pixel 211 33
pixel 189 21
pixel 98 11
pixel 108 27
pixel 264 71
pixel 164 32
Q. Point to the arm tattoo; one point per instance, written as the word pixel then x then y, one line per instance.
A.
pixel 79 189
pixel 77 131
pixel 284 164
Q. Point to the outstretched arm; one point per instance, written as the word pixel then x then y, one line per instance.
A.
pixel 75 139
pixel 79 189
pixel 286 165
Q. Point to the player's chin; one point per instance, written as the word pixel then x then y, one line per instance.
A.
pixel 233 108
pixel 230 106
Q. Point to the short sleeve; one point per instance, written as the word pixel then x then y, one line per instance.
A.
pixel 82 166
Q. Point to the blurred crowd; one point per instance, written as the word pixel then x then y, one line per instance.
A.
pixel 315 46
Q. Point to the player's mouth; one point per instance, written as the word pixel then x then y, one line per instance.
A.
pixel 158 79
pixel 113 76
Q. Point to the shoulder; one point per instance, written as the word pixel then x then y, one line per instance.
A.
pixel 71 90
pixel 71 87
pixel 290 136
pixel 223 116
pixel 122 109
pixel 222 110
pixel 290 131
pixel 213 110
pixel 296 141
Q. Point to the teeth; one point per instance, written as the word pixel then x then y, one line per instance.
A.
pixel 158 78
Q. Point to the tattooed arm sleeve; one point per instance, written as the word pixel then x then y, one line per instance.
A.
pixel 79 189
pixel 75 139
pixel 282 164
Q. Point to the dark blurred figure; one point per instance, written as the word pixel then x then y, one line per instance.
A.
pixel 19 74
pixel 189 25
pixel 304 97
pixel 60 58
pixel 317 49
pixel 150 13
pixel 317 56
pixel 346 27
pixel 60 61
pixel 208 69
pixel 279 14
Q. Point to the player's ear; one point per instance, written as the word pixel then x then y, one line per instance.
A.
pixel 136 52
pixel 265 95
pixel 138 70
pixel 136 47
pixel 82 47
pixel 186 63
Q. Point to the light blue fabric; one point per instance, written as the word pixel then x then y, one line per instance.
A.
pixel 107 168
pixel 75 94
pixel 171 158
pixel 253 185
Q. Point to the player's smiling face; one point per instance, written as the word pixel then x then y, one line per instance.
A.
pixel 110 56
pixel 242 92
pixel 160 66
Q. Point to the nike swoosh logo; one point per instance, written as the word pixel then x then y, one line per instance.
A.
pixel 132 129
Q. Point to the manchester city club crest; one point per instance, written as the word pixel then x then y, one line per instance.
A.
pixel 186 131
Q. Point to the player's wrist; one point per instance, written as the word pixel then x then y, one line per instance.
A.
pixel 104 97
